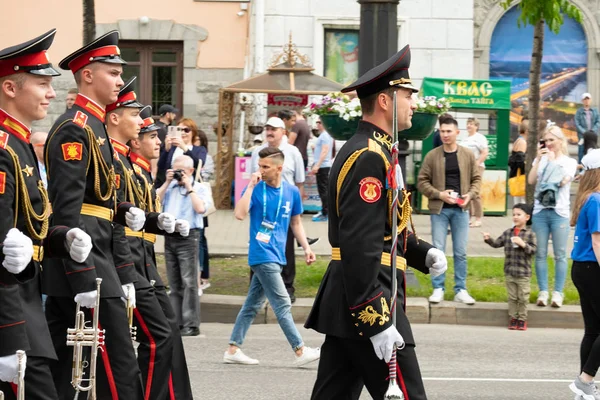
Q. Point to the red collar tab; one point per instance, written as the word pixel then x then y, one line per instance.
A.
pixel 90 56
pixel 13 126
pixel 120 147
pixel 122 101
pixel 148 121
pixel 90 107
pixel 141 161
pixel 17 64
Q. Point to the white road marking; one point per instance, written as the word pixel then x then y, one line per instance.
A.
pixel 499 380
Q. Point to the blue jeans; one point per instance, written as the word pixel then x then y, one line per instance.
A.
pixel 458 220
pixel 266 282
pixel 545 222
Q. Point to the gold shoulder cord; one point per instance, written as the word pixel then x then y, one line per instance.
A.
pixel 135 192
pixel 153 206
pixel 101 166
pixel 25 203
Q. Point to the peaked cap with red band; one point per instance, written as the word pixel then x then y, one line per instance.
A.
pixel 29 57
pixel 104 49
pixel 392 72
pixel 149 125
pixel 127 97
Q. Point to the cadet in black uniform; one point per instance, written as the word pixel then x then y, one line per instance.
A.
pixel 26 90
pixel 81 183
pixel 352 307
pixel 154 332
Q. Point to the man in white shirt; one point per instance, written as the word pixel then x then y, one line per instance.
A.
pixel 294 174
pixel 478 144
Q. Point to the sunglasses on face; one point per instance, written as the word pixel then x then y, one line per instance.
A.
pixel 186 130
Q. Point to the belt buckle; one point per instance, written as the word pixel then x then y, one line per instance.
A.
pixel 112 214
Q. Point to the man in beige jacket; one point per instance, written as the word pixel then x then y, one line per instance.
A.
pixel 450 179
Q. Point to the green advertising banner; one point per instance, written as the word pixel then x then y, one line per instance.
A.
pixel 492 157
pixel 480 94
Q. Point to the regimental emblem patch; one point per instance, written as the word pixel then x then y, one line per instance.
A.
pixel 2 182
pixel 72 151
pixel 3 140
pixel 118 181
pixel 80 119
pixel 370 189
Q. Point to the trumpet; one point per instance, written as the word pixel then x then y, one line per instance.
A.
pixel 130 308
pixel 82 336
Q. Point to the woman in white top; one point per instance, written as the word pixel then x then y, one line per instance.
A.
pixel 478 144
pixel 552 219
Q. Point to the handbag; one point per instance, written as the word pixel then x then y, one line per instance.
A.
pixel 207 189
pixel 516 184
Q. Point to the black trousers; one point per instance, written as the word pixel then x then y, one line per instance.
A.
pixel 289 271
pixel 118 374
pixel 155 351
pixel 322 184
pixel 179 378
pixel 586 276
pixel 347 365
pixel 38 381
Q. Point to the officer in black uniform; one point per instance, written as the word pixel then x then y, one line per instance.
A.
pixel 26 90
pixel 81 181
pixel 352 307
pixel 153 331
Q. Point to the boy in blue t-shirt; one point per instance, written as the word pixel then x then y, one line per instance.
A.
pixel 274 206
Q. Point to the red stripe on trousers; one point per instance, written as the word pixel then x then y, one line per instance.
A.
pixel 107 368
pixel 401 381
pixel 171 389
pixel 152 352
pixel 14 388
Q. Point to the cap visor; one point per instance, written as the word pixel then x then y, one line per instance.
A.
pixel 149 128
pixel 48 71
pixel 409 87
pixel 113 60
pixel 133 104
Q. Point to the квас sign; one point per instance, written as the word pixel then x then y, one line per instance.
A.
pixel 491 94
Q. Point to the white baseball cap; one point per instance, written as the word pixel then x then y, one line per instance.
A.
pixel 275 123
pixel 591 160
pixel 586 96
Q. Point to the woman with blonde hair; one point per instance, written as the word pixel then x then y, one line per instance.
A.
pixel 586 272
pixel 551 173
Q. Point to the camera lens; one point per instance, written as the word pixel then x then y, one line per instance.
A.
pixel 177 175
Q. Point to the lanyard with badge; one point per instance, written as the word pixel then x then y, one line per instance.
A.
pixel 266 227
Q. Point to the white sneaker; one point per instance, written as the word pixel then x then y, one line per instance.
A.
pixel 542 299
pixel 463 297
pixel 200 292
pixel 557 300
pixel 308 355
pixel 436 296
pixel 238 358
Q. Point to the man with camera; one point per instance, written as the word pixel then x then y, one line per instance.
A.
pixel 186 199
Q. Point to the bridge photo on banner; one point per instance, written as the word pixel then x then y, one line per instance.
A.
pixel 564 69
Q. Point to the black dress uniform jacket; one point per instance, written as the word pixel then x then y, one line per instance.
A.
pixel 79 162
pixel 22 322
pixel 354 298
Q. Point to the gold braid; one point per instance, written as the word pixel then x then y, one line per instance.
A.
pixel 100 164
pixel 136 194
pixel 25 203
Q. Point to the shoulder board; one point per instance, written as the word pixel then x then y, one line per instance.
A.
pixel 374 146
pixel 3 139
pixel 80 119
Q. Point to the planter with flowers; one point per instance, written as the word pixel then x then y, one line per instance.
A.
pixel 340 115
pixel 425 117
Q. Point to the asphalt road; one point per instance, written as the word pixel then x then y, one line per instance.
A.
pixel 457 362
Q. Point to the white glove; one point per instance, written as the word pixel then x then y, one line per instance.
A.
pixel 436 262
pixel 166 222
pixel 79 244
pixel 182 227
pixel 129 293
pixel 135 218
pixel 385 342
pixel 87 299
pixel 9 368
pixel 18 250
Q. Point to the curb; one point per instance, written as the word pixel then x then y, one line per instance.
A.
pixel 224 309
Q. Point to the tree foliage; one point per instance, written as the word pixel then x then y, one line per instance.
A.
pixel 552 12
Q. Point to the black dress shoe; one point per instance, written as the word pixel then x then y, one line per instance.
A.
pixel 310 241
pixel 293 298
pixel 190 332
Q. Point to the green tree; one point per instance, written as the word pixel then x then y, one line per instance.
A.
pixel 89 21
pixel 539 13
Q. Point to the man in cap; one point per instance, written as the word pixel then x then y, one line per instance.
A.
pixel 25 94
pixel 586 119
pixel 353 305
pixel 167 114
pixel 81 182
pixel 144 149
pixel 152 329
